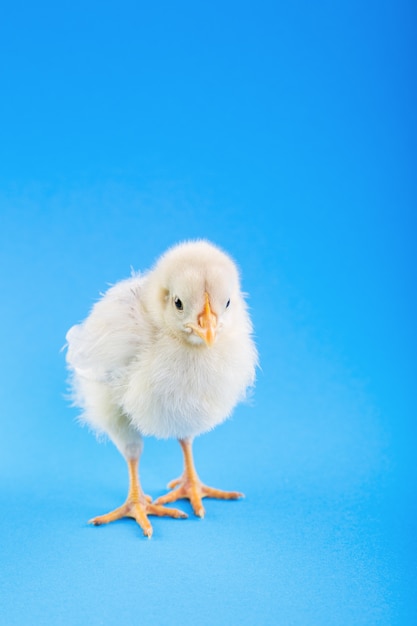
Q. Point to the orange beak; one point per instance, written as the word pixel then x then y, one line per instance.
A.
pixel 207 323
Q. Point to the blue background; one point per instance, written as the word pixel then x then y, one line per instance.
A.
pixel 285 133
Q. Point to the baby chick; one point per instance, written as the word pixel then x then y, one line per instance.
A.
pixel 167 353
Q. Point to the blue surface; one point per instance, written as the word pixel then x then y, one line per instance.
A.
pixel 286 134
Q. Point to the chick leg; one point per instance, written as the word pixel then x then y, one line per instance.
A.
pixel 137 505
pixel 190 486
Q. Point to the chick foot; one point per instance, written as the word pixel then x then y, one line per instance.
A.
pixel 190 487
pixel 137 505
pixel 138 509
pixel 194 490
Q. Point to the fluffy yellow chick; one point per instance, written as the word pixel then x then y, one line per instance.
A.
pixel 167 353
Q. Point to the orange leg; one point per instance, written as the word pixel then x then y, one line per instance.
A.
pixel 137 505
pixel 190 486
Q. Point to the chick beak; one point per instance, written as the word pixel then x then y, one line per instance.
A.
pixel 207 323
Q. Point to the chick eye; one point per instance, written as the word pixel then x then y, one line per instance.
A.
pixel 178 304
pixel 228 303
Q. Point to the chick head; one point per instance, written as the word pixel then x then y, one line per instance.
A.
pixel 193 293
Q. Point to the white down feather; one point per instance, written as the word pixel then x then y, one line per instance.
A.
pixel 138 370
